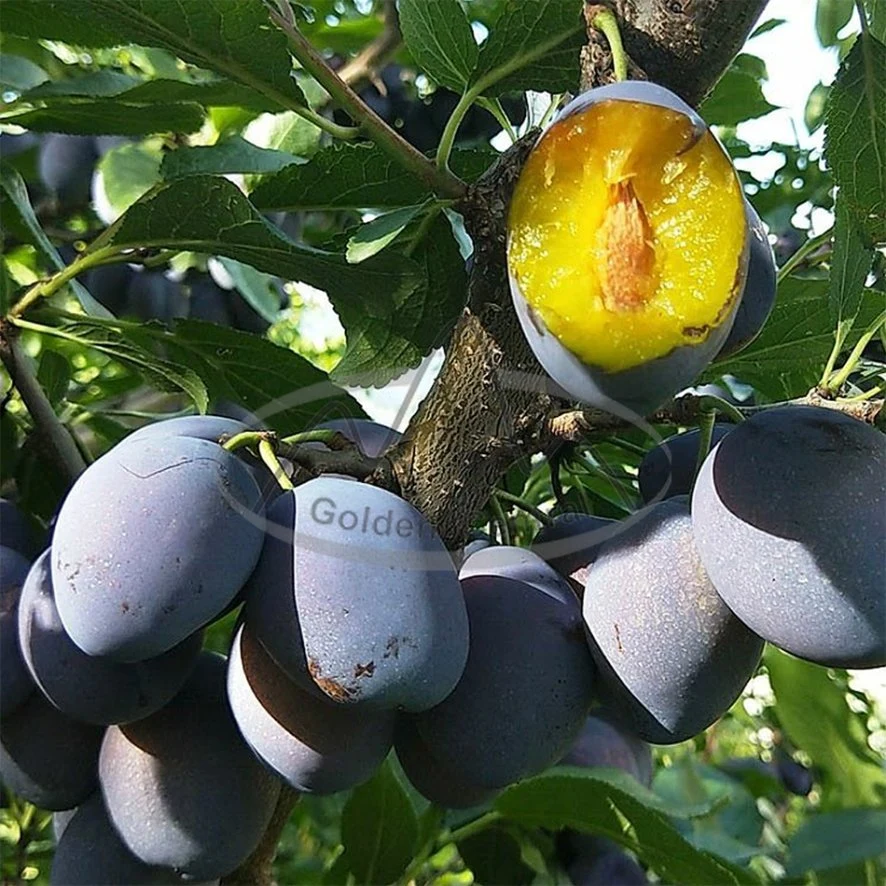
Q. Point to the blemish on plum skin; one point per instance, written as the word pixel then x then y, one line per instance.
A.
pixel 618 642
pixel 331 687
pixel 361 670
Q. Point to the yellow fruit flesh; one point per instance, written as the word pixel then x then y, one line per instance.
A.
pixel 624 236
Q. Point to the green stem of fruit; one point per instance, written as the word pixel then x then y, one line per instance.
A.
pixel 500 518
pixel 523 505
pixel 810 246
pixel 836 380
pixel 472 827
pixel 447 140
pixel 493 105
pixel 710 403
pixel 247 438
pixel 440 180
pixel 606 22
pixel 57 437
pixel 322 436
pixel 269 457
pixel 51 285
pixel 705 435
pixel 551 110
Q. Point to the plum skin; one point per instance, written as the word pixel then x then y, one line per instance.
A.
pixel 638 389
pixel 789 515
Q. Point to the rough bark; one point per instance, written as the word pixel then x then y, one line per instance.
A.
pixel 489 405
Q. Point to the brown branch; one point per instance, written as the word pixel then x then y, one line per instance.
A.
pixel 580 424
pixel 374 55
pixel 258 869
pixel 58 442
pixel 350 460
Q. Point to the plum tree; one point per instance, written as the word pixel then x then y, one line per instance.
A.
pixel 94 690
pixel 601 190
pixel 171 781
pixel 358 577
pixel 176 533
pixel 47 757
pixel 672 657
pixel 668 469
pixel 15 682
pixel 525 643
pixel 570 544
pixel 789 515
pixel 758 295
pixel 314 744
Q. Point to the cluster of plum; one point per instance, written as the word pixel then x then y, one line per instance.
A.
pixel 360 632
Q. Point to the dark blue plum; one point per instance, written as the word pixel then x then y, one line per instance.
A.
pixel 313 744
pixel 672 657
pixel 600 862
pixel 65 165
pixel 15 681
pixel 519 564
pixel 46 757
pixel 796 778
pixel 109 286
pixel 434 780
pixel 201 427
pixel 154 296
pixel 154 540
pixel 245 317
pixel 526 689
pixel 570 544
pixel 758 296
pixel 95 690
pixel 789 515
pixel 209 302
pixel 15 531
pixel 90 853
pixel 181 787
pixel 361 582
pixel 668 469
pixel 603 742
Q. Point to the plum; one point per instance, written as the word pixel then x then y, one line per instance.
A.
pixel 109 286
pixel 509 561
pixel 604 742
pixel 571 542
pixel 65 165
pixel 15 681
pixel 152 295
pixel 612 228
pixel 789 516
pixel 672 657
pixel 758 296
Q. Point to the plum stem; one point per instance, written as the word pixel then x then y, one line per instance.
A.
pixel 803 253
pixel 523 505
pixel 473 827
pixel 705 436
pixel 604 20
pixel 500 518
pixel 59 442
pixel 269 457
pixel 833 382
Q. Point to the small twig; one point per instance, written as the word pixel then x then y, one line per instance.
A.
pixel 376 53
pixel 59 442
pixel 258 869
pixel 501 518
pixel 324 461
pixel 603 19
pixel 516 501
pixel 441 181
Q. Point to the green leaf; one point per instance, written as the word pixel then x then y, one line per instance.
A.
pixel 737 97
pixel 54 374
pixel 20 74
pixel 14 186
pixel 109 117
pixel 285 132
pixel 375 235
pixel 787 357
pixel 494 856
pixel 440 40
pixel 877 18
pixel 855 135
pixel 850 266
pixel 813 114
pixel 831 16
pixel 233 155
pixel 358 176
pixel 769 25
pixel 131 345
pixel 532 46
pixel 259 290
pixel 231 37
pixel 389 336
pixel 836 839
pixel 379 828
pixel 127 173
pixel 813 712
pixel 601 801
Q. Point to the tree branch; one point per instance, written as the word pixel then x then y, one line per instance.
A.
pixel 376 53
pixel 59 443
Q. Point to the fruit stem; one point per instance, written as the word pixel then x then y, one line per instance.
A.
pixel 524 505
pixel 710 403
pixel 836 380
pixel 705 435
pixel 803 252
pixel 493 105
pixel 473 827
pixel 58 439
pixel 500 518
pixel 269 457
pixel 318 436
pixel 447 140
pixel 606 22
pixel 246 438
